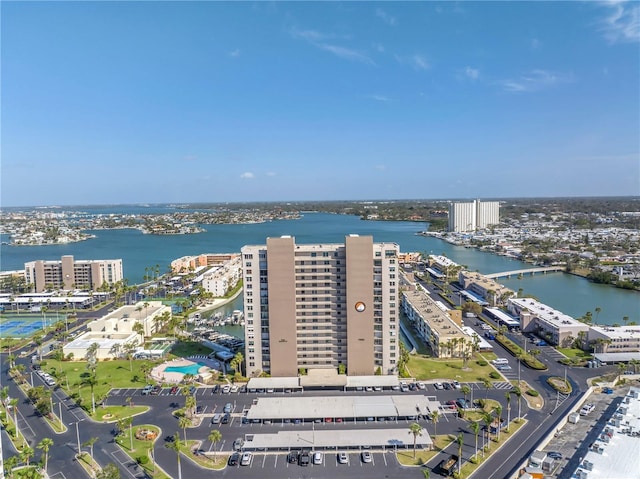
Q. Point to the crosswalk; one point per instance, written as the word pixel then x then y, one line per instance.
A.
pixel 502 385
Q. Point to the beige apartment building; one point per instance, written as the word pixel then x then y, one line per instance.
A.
pixel 319 306
pixel 69 273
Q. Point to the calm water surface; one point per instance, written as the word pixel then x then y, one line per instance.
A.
pixel 567 293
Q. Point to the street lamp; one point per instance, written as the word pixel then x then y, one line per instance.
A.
pixel 77 433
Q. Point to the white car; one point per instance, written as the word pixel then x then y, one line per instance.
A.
pixel 438 385
pixel 343 458
pixel 245 460
pixel 366 456
pixel 586 409
pixel 317 458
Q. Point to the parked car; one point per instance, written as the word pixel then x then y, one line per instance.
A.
pixel 216 418
pixel 446 386
pixel 292 457
pixel 147 390
pixel 226 418
pixel 233 459
pixel 317 458
pixel 174 390
pixel 456 385
pixel 366 456
pixel 438 385
pixel 607 391
pixel 226 389
pixel 555 455
pixel 245 460
pixel 228 407
pixel 343 458
pixel 238 443
pixel 586 409
pixel 305 458
pixel 155 390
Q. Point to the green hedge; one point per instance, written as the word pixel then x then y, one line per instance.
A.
pixel 516 350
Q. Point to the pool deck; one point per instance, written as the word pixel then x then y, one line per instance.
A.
pixel 159 373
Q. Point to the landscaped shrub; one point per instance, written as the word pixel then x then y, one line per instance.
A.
pixel 142 459
pixel 481 362
pixel 494 375
pixel 533 393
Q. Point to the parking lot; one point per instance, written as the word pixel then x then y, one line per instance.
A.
pixel 329 460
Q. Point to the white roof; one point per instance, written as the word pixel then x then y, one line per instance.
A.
pixel 337 438
pixel 339 406
pixel 363 381
pixel 273 383
pixel 615 357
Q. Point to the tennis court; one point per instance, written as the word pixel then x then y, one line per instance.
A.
pixel 23 326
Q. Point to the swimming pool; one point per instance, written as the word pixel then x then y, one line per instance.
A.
pixel 190 369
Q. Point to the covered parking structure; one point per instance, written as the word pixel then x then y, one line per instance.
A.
pixel 276 384
pixel 339 408
pixel 337 439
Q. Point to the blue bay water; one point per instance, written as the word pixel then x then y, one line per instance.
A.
pixel 567 293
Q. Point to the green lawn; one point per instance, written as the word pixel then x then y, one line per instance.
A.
pixel 576 353
pixel 141 448
pixel 422 456
pixel 109 374
pixel 422 367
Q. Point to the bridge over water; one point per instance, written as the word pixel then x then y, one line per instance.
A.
pixel 532 271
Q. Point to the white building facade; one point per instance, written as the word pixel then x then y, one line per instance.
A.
pixel 472 216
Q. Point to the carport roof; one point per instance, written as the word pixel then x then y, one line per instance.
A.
pixel 341 438
pixel 315 407
pixel 615 357
pixel 363 381
pixel 273 383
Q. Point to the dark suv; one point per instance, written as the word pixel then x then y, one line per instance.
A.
pixel 305 458
pixel 292 457
pixel 233 459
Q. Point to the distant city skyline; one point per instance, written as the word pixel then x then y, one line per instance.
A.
pixel 209 102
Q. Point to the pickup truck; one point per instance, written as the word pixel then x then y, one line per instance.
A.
pixel 447 466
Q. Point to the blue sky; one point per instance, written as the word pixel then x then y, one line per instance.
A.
pixel 140 102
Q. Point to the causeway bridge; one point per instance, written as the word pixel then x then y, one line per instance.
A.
pixel 532 271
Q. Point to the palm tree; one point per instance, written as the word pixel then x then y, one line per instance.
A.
pixel 9 464
pixel 488 419
pixel 416 430
pixel 190 405
pixel 460 441
pixel 175 445
pixel 498 410
pixel 214 436
pixel 45 444
pixel 507 395
pixel 625 320
pixel 26 454
pixel 487 384
pixel 91 381
pixel 90 443
pixel 465 390
pixel 184 422
pixel 597 310
pixel 475 427
pixel 238 358
pixel 518 392
pixel 435 415
pixel 13 403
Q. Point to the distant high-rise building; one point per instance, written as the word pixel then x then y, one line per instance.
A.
pixel 472 216
pixel 68 273
pixel 316 306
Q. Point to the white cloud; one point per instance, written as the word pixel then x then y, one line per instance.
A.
pixel 345 53
pixel 247 175
pixel 380 98
pixel 270 173
pixel 385 17
pixel 534 80
pixel 622 24
pixel 472 73
pixel 318 39
pixel 234 53
pixel 420 62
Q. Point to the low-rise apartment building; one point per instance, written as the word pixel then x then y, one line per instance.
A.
pixel 223 278
pixel 488 289
pixel 614 339
pixel 437 328
pixel 191 263
pixel 558 328
pixel 117 329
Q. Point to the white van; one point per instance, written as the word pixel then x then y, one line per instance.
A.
pixel 499 361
